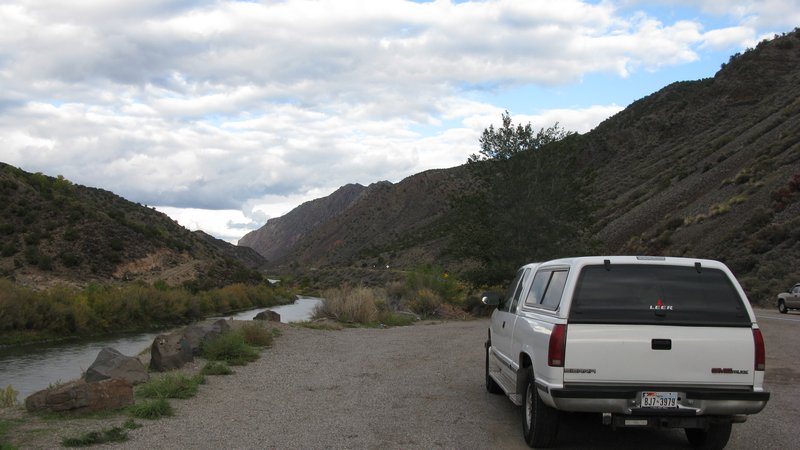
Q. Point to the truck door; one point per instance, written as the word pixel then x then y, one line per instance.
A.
pixel 503 324
pixel 793 301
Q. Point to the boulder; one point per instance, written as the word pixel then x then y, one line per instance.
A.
pixel 82 397
pixel 195 335
pixel 110 363
pixel 268 315
pixel 221 326
pixel 170 352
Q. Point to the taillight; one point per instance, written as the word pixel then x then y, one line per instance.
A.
pixel 558 347
pixel 761 356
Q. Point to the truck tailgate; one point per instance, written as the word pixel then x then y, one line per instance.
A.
pixel 659 355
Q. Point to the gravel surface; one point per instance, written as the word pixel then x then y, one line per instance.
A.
pixel 407 387
pixel 420 386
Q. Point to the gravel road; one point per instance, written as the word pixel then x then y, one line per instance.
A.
pixel 416 387
pixel 406 387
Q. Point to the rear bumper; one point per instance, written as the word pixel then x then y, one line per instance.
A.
pixel 626 400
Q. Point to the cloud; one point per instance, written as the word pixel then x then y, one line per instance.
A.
pixel 727 38
pixel 751 18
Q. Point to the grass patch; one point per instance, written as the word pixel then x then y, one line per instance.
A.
pixel 8 397
pixel 66 415
pixel 231 348
pixel 325 325
pixel 151 410
pixel 255 334
pixel 131 424
pixel 171 386
pixel 350 305
pixel 392 319
pixel 216 368
pixel 5 426
pixel 115 434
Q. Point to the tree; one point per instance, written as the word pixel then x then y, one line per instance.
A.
pixel 526 203
pixel 505 142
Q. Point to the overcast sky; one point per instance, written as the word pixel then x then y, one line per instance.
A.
pixel 223 114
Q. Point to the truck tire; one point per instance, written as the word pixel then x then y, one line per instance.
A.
pixel 539 421
pixel 782 307
pixel 491 386
pixel 714 438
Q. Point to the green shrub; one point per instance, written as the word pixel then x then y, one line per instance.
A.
pixel 70 259
pixel 171 386
pixel 131 424
pixel 45 262
pixel 9 249
pixel 230 347
pixel 437 280
pixel 425 303
pixel 256 334
pixel 216 368
pixel 151 410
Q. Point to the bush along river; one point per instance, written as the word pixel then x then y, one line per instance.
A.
pixel 30 368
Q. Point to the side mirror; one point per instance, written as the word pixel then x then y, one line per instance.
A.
pixel 491 298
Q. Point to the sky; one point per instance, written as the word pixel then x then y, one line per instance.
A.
pixel 223 114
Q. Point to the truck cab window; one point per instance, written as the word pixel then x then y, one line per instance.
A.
pixel 512 289
pixel 518 292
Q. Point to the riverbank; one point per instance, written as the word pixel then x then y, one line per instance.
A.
pixel 34 367
pixel 65 311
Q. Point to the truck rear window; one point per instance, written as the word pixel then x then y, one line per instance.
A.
pixel 658 295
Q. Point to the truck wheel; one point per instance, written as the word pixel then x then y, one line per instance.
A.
pixel 782 307
pixel 539 421
pixel 715 437
pixel 491 385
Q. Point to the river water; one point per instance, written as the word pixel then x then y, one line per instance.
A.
pixel 30 368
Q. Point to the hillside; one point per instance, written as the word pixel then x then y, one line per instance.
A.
pixel 53 231
pixel 710 168
pixel 279 235
pixel 707 168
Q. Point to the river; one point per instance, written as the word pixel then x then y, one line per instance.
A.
pixel 30 368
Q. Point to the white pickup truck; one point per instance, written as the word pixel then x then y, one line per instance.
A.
pixel 643 341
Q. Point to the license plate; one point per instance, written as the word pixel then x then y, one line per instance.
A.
pixel 659 399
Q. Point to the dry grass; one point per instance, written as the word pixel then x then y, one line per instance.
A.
pixel 351 305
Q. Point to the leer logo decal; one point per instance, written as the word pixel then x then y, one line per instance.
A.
pixel 660 306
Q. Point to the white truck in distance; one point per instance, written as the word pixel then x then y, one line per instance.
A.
pixel 643 341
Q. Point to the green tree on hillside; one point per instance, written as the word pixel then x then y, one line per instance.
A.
pixel 526 203
pixel 507 141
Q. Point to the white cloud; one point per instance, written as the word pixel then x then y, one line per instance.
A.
pixel 727 38
pixel 579 120
pixel 751 18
